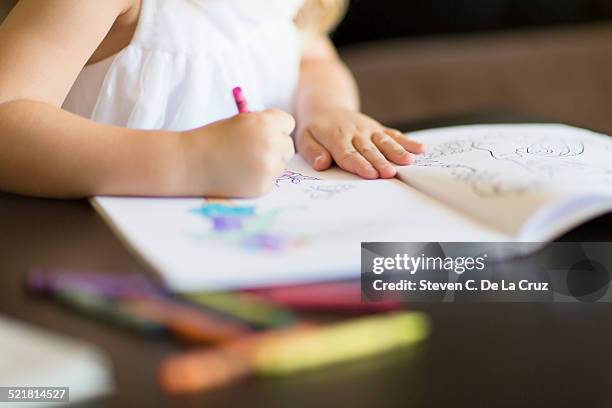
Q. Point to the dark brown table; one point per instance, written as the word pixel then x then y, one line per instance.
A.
pixel 480 355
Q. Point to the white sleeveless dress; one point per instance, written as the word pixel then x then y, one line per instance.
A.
pixel 186 57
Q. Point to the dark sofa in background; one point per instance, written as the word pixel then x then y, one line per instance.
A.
pixel 369 20
pixel 549 59
pixel 557 74
pixel 419 59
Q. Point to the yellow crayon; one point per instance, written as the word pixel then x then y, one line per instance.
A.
pixel 350 340
pixel 288 351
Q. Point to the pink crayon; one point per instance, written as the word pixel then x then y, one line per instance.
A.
pixel 241 102
pixel 333 296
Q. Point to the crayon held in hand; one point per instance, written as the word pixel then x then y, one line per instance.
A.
pixel 241 102
pixel 288 351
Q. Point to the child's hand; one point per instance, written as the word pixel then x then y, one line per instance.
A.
pixel 357 143
pixel 240 156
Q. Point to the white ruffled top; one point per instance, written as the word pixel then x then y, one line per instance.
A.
pixel 186 56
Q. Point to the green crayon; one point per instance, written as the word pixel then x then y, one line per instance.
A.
pixel 106 309
pixel 245 307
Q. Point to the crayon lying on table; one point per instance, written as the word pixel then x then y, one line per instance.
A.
pixel 147 314
pixel 190 324
pixel 245 306
pixel 112 285
pixel 336 296
pixel 139 306
pixel 108 310
pixel 288 351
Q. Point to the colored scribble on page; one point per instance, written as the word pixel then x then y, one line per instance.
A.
pixel 294 178
pixel 243 227
pixel 257 226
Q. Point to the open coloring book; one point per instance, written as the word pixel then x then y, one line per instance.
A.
pixel 475 183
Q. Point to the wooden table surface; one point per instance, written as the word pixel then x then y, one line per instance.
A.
pixel 479 355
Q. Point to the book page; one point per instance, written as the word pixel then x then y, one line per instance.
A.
pixel 308 228
pixel 508 176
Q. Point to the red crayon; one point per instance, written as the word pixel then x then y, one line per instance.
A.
pixel 241 102
pixel 334 296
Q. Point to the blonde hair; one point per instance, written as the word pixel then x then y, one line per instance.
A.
pixel 321 16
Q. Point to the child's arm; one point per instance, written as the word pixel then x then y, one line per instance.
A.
pixel 330 125
pixel 46 151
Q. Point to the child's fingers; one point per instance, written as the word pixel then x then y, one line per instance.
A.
pixel 284 121
pixel 374 156
pixel 392 149
pixel 406 142
pixel 315 154
pixel 350 160
pixel 287 148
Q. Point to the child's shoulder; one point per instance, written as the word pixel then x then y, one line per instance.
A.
pixel 131 14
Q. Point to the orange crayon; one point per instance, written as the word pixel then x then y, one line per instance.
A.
pixel 292 350
pixel 189 323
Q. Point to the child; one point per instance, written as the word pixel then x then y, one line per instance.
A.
pixel 133 97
